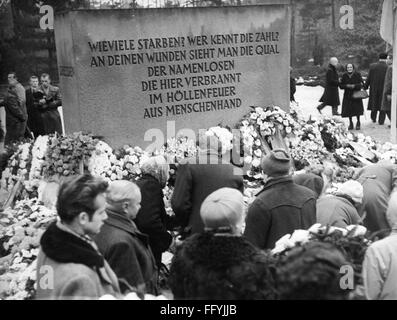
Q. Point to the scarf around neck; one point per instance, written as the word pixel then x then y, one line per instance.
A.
pixel 64 247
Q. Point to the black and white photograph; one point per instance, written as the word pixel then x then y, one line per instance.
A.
pixel 198 150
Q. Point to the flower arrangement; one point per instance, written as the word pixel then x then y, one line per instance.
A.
pixel 264 129
pixel 267 121
pixel 20 233
pixel 333 133
pixel 351 241
pixel 101 160
pixel 224 135
pixel 177 149
pixel 130 161
pixel 66 155
pixel 18 166
pixel 346 157
pixel 307 153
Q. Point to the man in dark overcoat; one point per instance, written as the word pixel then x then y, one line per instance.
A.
pixel 15 107
pixel 281 207
pixel 387 92
pixel 123 246
pixel 375 82
pixel 48 106
pixel 331 91
pixel 197 178
pixel 35 122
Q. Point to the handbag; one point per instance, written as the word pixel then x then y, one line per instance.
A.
pixel 361 94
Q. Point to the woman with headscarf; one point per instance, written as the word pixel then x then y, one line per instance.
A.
pixel 351 107
pixel 152 217
pixel 219 264
pixel 341 210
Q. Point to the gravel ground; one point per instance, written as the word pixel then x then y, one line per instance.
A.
pixel 308 98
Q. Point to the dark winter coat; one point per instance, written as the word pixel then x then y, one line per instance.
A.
pixel 378 182
pixel 213 267
pixel 331 91
pixel 280 208
pixel 73 266
pixel 16 115
pixel 49 111
pixel 152 217
pixel 35 122
pixel 387 92
pixel 337 212
pixel 128 253
pixel 196 179
pixel 351 107
pixel 376 82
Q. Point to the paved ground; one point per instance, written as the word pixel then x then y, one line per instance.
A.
pixel 308 97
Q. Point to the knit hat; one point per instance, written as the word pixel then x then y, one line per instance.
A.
pixel 277 163
pixel 223 208
pixel 353 189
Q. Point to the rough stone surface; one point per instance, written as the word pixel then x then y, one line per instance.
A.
pixel 110 100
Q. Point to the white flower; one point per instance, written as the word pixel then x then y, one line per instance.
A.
pixel 359 230
pixel 315 228
pixel 300 236
pixel 254 116
pixel 248 159
pixel 256 163
pixel 283 244
pixel 132 296
pixel 334 229
pixel 258 153
pixel 258 142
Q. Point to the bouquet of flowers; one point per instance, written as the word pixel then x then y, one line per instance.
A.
pixel 224 136
pixel 346 157
pixel 101 160
pixel 333 133
pixel 20 233
pixel 352 242
pixel 177 149
pixel 295 112
pixel 307 153
pixel 66 155
pixel 129 161
pixel 266 121
pixel 264 129
pixel 387 151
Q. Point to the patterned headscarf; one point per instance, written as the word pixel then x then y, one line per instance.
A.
pixel 158 168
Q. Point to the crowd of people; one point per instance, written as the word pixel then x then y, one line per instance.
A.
pixel 379 83
pixel 109 239
pixel 30 112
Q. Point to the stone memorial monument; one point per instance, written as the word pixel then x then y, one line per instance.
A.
pixel 126 72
